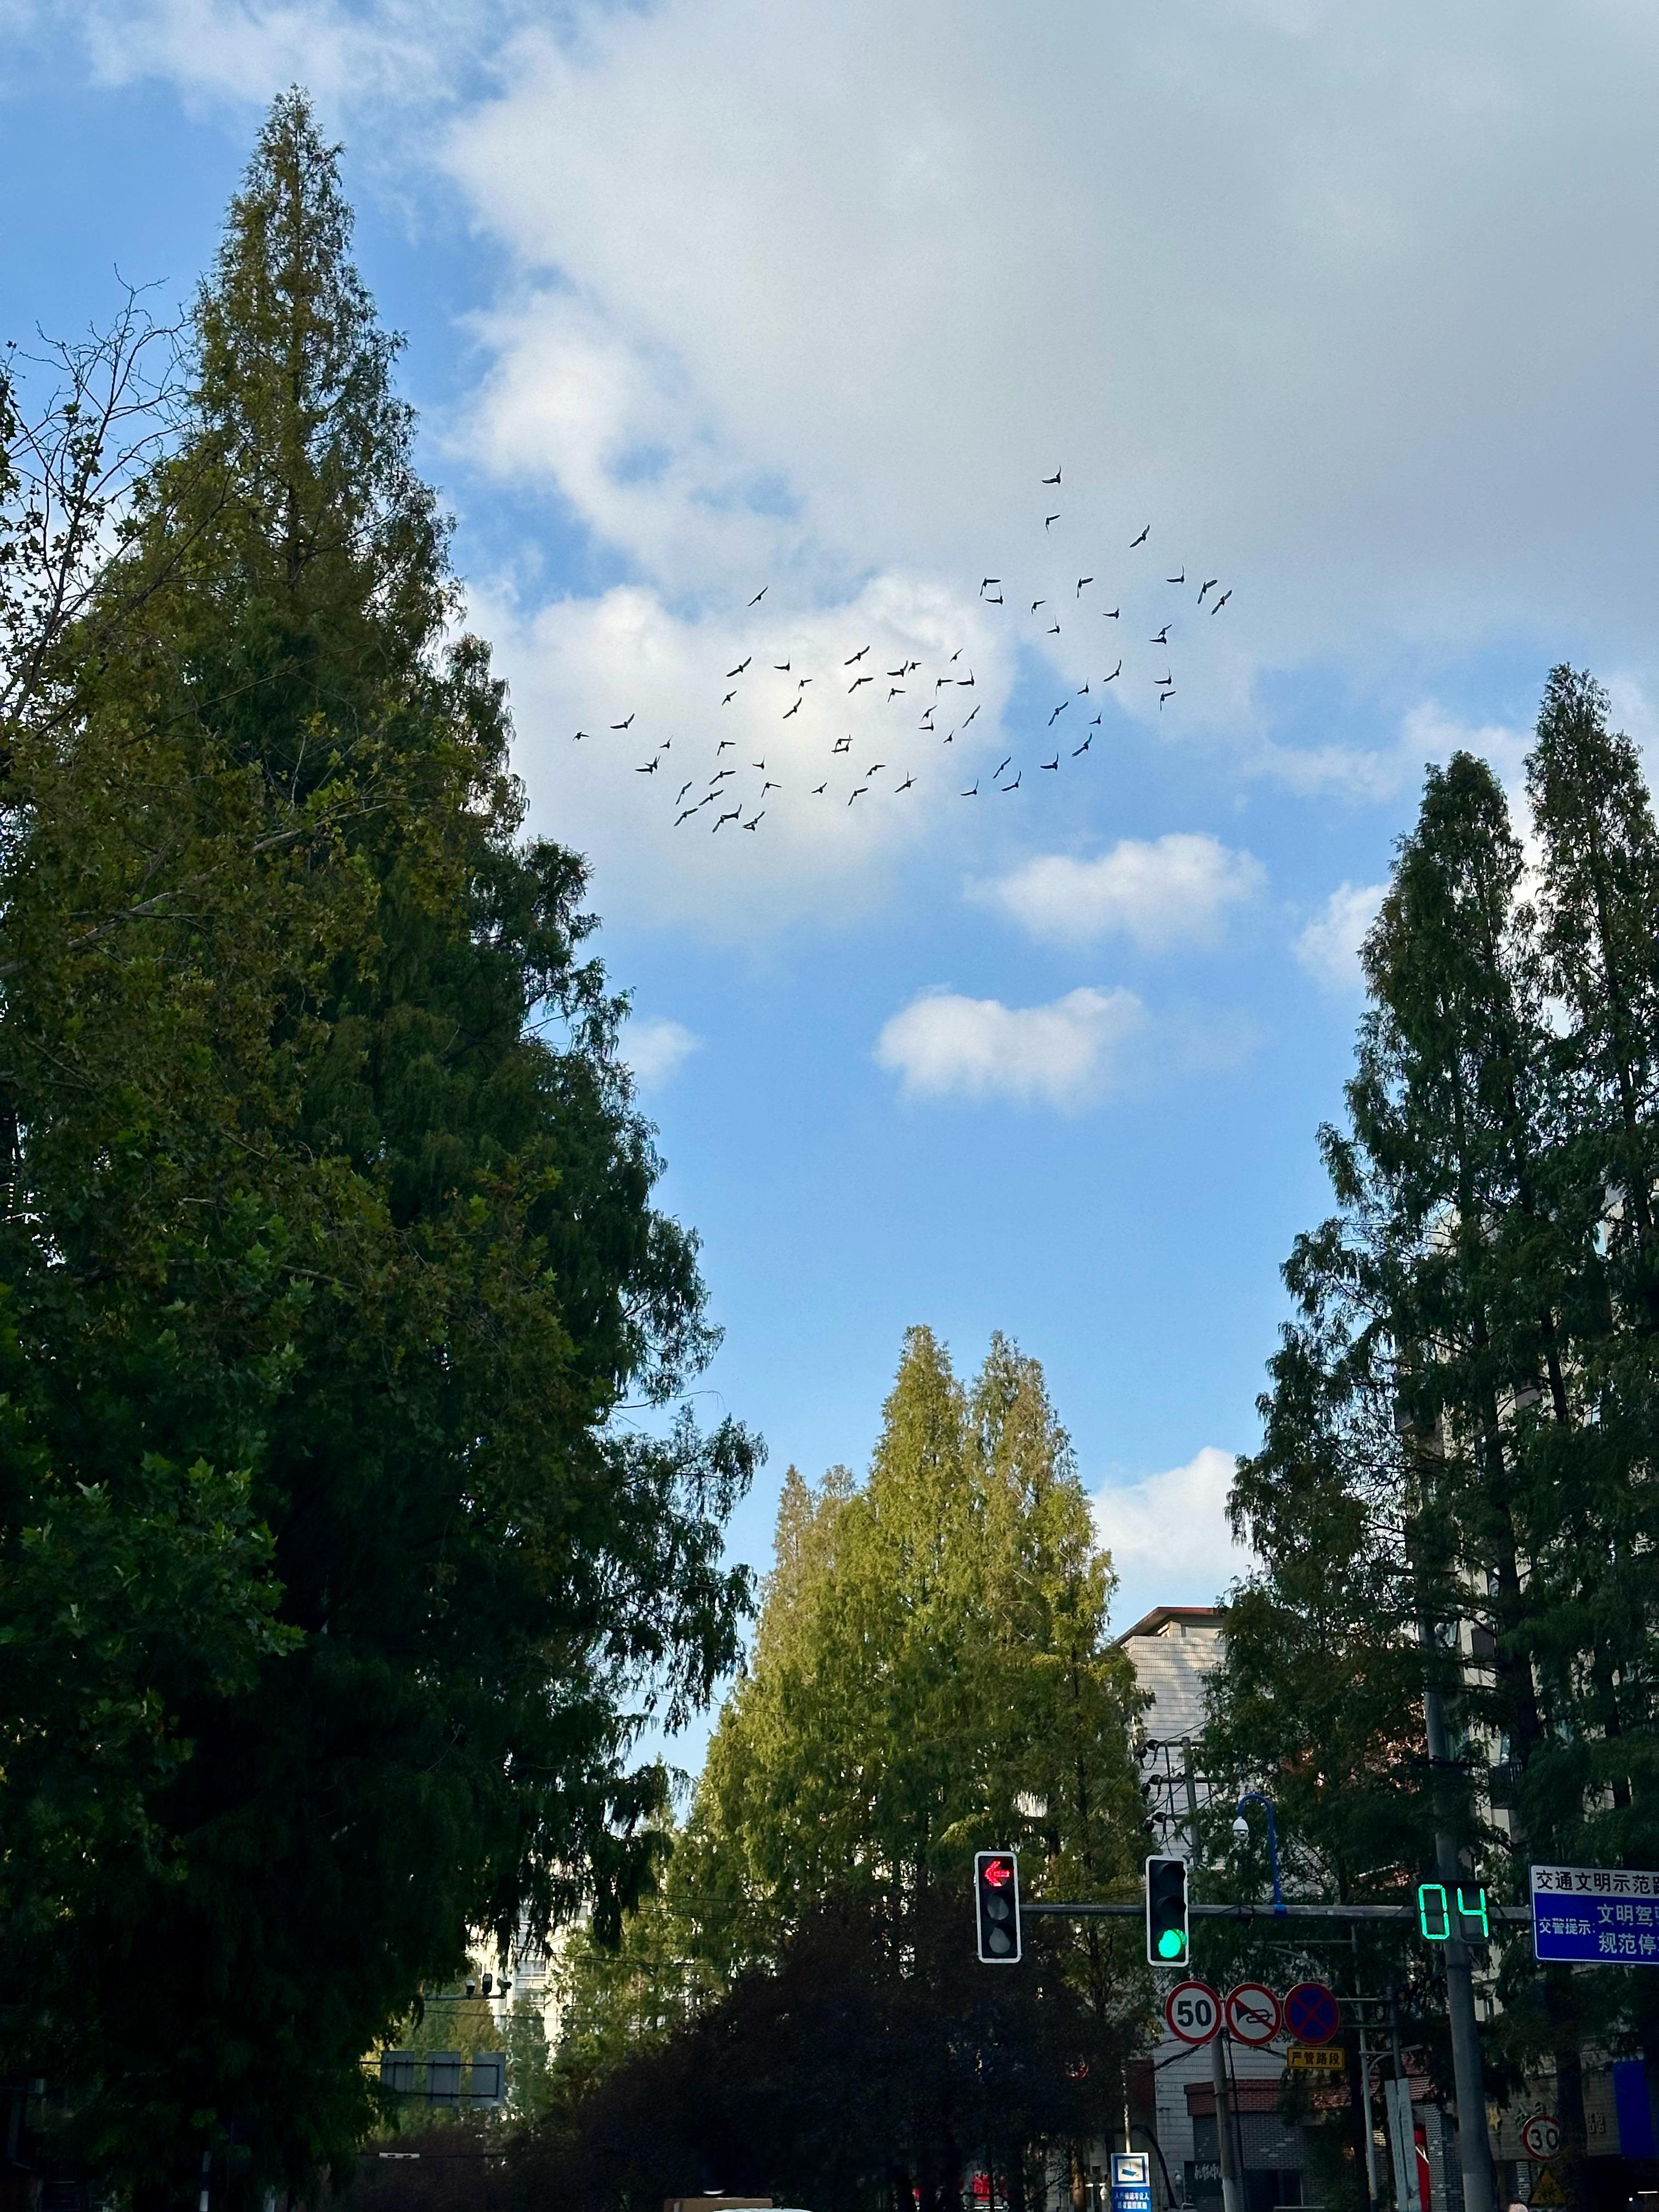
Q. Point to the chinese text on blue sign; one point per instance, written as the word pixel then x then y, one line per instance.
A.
pixel 1597 1915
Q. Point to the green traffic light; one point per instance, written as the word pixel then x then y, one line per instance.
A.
pixel 1170 1943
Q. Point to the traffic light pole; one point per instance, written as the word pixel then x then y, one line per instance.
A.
pixel 1232 2197
pixel 1473 2142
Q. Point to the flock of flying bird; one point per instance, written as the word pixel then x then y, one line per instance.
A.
pixel 866 685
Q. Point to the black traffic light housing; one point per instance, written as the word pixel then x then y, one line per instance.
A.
pixel 996 1907
pixel 1167 1943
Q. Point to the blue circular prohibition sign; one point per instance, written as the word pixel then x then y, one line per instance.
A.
pixel 1310 2012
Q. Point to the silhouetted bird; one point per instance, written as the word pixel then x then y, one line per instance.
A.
pixel 1058 712
pixel 738 670
pixel 860 792
pixel 857 656
pixel 856 683
pixel 1222 601
pixel 1081 582
pixel 1208 586
pixel 906 785
pixel 650 770
pixel 1049 521
pixel 622 726
pixel 1082 748
pixel 1181 579
pixel 760 595
pixel 1118 671
pixel 1054 762
pixel 818 790
pixel 1141 540
pixel 974 792
pixel 1054 479
pixel 1162 637
pixel 756 824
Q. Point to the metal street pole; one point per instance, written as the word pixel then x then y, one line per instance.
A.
pixel 1473 2142
pixel 1233 2196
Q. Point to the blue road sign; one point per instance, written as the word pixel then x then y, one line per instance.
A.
pixel 1132 2181
pixel 1596 1916
pixel 1310 2012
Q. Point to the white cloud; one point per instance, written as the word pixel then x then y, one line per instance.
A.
pixel 1063 1054
pixel 1328 948
pixel 1169 1537
pixel 1174 890
pixel 589 664
pixel 654 1048
pixel 823 305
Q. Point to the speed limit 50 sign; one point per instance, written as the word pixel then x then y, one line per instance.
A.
pixel 1192 2011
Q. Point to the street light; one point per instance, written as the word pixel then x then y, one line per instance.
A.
pixel 1241 1831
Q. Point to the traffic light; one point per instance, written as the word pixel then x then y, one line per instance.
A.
pixel 1167 1943
pixel 996 1906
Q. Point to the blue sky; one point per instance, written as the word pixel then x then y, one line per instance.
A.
pixel 1358 314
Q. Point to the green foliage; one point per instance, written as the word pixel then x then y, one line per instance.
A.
pixel 1457 1484
pixel 330 1595
pixel 931 1673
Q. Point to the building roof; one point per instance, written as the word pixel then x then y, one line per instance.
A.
pixel 1155 1622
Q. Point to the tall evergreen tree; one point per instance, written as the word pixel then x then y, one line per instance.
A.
pixel 331 1596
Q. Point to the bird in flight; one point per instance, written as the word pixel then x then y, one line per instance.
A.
pixel 1054 630
pixel 856 683
pixel 1082 748
pixel 761 765
pixel 684 788
pixel 1095 724
pixel 1054 762
pixel 1058 712
pixel 1163 696
pixel 955 657
pixel 684 816
pixel 899 671
pixel 1141 540
pixel 1054 479
pixel 765 788
pixel 1166 679
pixel 1036 604
pixel 986 582
pixel 1014 786
pixel 755 824
pixel 1118 671
pixel 895 691
pixel 580 734
pixel 857 656
pixel 1222 601
pixel 722 745
pixel 1110 614
pixel 875 766
pixel 965 683
pixel 1162 637
pixel 1181 579
pixel 760 595
pixel 801 683
pixel 1081 582
pixel 974 792
pixel 720 820
pixel 1208 586
pixel 622 726
pixel 996 772
pixel 818 790
pixel 651 769
pixel 841 746
pixel 738 670
pixel 971 718
pixel 996 602
pixel 729 697
pixel 1049 521
pixel 906 785
pixel 795 709
pixel 860 792
pixel 782 667
pixel 1084 693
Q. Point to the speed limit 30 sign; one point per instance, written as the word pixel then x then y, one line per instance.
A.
pixel 1192 2011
